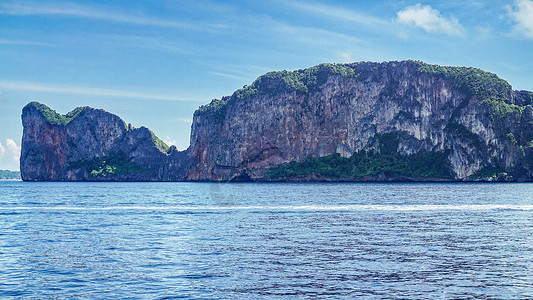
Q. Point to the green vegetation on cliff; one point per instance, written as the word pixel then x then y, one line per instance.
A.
pixel 491 173
pixel 115 163
pixel 7 174
pixel 472 81
pixel 485 86
pixel 510 136
pixel 365 164
pixel 524 97
pixel 55 118
pixel 278 82
pixel 162 146
pixel 300 81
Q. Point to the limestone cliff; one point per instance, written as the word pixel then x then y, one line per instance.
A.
pixel 92 144
pixel 363 121
pixel 473 118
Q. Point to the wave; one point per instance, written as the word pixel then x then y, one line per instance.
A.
pixel 355 207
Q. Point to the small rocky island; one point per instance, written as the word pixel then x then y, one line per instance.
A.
pixel 366 121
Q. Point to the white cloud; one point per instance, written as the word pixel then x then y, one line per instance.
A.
pixel 345 57
pixel 2 151
pixel 429 19
pixel 9 155
pixel 522 14
pixel 402 35
pixel 169 141
pixel 80 90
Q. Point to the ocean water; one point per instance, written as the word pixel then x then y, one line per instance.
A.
pixel 249 240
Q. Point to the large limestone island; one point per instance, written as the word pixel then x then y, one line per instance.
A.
pixel 391 121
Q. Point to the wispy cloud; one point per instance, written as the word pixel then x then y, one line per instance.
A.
pixel 111 40
pixel 146 42
pixel 80 90
pixel 185 120
pixel 522 14
pixel 314 36
pixel 228 75
pixel 85 11
pixel 335 12
pixel 429 19
pixel 9 155
pixel 245 71
pixel 25 43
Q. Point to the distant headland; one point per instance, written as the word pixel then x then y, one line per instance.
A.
pixel 9 175
pixel 365 121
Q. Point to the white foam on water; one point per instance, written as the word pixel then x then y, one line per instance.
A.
pixel 354 207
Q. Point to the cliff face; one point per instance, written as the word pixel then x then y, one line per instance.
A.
pixel 472 117
pixel 363 121
pixel 91 144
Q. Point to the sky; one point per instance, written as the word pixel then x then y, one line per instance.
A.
pixel 153 63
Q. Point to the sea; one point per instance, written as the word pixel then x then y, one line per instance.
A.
pixel 266 240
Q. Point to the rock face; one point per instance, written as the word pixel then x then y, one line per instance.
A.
pixel 91 144
pixel 368 114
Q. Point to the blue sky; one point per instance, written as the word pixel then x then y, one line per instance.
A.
pixel 154 62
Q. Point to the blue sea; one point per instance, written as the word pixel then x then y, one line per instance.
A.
pixel 252 240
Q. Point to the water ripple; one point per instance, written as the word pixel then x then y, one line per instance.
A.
pixel 198 241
